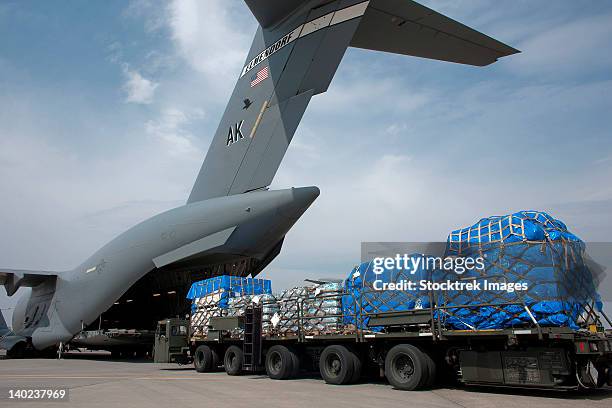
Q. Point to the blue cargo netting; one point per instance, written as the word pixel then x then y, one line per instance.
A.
pixel 521 226
pixel 363 299
pixel 528 247
pixel 235 284
pixel 220 289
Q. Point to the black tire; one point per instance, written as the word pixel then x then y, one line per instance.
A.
pixel 296 364
pixel 337 365
pixel 602 376
pixel 233 360
pixel 356 368
pixel 203 359
pixel 18 351
pixel 216 359
pixel 431 370
pixel 280 363
pixel 406 367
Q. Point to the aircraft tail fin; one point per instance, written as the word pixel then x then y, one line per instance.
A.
pixel 288 63
pixel 294 56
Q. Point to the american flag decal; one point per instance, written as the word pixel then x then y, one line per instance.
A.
pixel 261 76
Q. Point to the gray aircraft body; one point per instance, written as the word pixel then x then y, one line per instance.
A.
pixel 231 224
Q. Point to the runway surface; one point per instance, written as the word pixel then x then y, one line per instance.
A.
pixel 94 380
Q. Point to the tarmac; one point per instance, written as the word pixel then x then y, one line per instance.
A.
pixel 95 380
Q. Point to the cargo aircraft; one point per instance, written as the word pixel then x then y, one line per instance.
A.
pixel 231 223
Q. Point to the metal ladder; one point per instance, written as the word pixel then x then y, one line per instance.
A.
pixel 251 346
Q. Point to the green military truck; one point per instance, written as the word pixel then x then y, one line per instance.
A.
pixel 171 341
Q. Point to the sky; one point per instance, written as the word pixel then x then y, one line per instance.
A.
pixel 108 108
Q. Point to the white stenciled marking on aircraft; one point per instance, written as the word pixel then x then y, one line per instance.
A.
pixel 92 269
pixel 330 19
pixel 265 54
pixel 235 133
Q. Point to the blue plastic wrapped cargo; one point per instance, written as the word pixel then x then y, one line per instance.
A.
pixel 228 286
pixel 363 298
pixel 529 247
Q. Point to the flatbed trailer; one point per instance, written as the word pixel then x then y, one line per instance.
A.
pixel 124 343
pixel 413 350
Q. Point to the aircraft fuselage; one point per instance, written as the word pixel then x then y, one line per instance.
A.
pixel 244 225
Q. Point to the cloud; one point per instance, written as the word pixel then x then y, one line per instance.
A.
pixel 170 129
pixel 481 148
pixel 350 94
pixel 215 48
pixel 62 200
pixel 603 160
pixel 395 129
pixel 147 12
pixel 139 90
pixel 571 46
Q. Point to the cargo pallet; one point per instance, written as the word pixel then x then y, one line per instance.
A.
pixel 413 350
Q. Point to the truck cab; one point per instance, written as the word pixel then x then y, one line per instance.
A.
pixel 171 341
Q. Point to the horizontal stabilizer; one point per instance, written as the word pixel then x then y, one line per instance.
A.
pixel 13 279
pixel 408 28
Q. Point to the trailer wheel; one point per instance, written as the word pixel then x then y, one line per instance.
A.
pixel 281 363
pixel 431 369
pixel 405 367
pixel 296 364
pixel 356 368
pixel 204 359
pixel 337 365
pixel 233 360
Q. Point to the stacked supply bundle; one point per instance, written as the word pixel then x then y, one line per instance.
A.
pixel 316 309
pixel 285 321
pixel 323 309
pixel 269 310
pixel 221 296
pixel 365 295
pixel 268 303
pixel 530 248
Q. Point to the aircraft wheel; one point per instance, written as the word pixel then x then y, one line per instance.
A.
pixel 337 365
pixel 406 367
pixel 17 351
pixel 233 360
pixel 281 363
